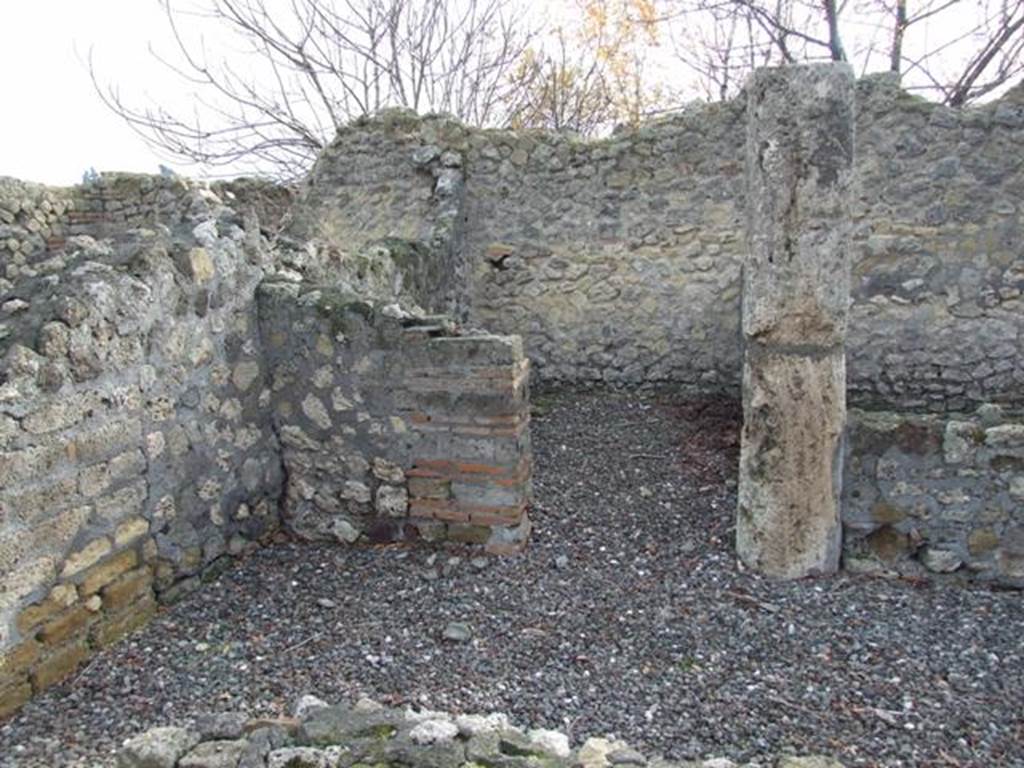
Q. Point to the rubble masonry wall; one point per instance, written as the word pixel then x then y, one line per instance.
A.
pixel 619 260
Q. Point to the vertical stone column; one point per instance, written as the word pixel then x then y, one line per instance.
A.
pixel 796 288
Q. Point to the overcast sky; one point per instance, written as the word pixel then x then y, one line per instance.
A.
pixel 53 127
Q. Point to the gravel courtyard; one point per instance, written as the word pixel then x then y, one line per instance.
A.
pixel 626 615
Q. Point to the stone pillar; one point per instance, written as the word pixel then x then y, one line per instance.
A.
pixel 796 288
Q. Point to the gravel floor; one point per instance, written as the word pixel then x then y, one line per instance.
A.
pixel 627 615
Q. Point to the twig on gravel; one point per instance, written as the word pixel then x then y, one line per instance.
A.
pixel 887 716
pixel 793 705
pixel 949 759
pixel 85 671
pixel 298 645
pixel 649 456
pixel 745 598
pixel 572 727
pixel 634 422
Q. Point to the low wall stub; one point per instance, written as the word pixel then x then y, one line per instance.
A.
pixel 396 427
pixel 928 494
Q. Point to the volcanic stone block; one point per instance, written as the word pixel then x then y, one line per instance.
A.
pixel 794 412
pixel 795 305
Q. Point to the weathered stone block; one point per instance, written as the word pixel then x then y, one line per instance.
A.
pixel 791 463
pixel 982 541
pixel 795 306
pixel 430 487
pixel 214 754
pixel 15 665
pixel 156 748
pixel 510 539
pixel 91 553
pixel 58 665
pixel 104 573
pixel 245 374
pixel 799 170
pixel 127 589
pixel 37 502
pixel 1011 564
pixel 72 622
pixel 484 494
pixel 115 626
pixel 392 501
pixel 469 534
pixel 13 695
pixel 35 615
pixel 100 441
pixel 199 266
pixel 28 463
pixel 130 531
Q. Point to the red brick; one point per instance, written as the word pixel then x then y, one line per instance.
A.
pixel 483 431
pixel 479 469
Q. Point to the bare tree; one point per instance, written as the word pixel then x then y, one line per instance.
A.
pixel 562 88
pixel 993 39
pixel 595 76
pixel 721 41
pixel 954 50
pixel 299 69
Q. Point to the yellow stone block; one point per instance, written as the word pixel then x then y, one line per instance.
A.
pixel 127 589
pixel 201 265
pixel 90 554
pixel 104 573
pixel 116 626
pixel 13 696
pixel 68 624
pixel 129 531
pixel 59 665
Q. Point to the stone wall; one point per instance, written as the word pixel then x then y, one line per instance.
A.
pixel 393 426
pixel 135 450
pixel 391 190
pixel 936 494
pixel 36 221
pixel 619 260
pixel 938 319
pixel 33 221
pixel 147 434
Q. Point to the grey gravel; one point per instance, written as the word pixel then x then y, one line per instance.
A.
pixel 653 633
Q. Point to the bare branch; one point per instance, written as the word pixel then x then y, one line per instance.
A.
pixel 312 65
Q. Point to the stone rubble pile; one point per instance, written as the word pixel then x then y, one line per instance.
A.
pixel 368 735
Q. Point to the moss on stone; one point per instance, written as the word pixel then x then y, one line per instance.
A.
pixel 379 732
pixel 982 541
pixel 887 514
pixel 1007 464
pixel 888 544
pixel 340 308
